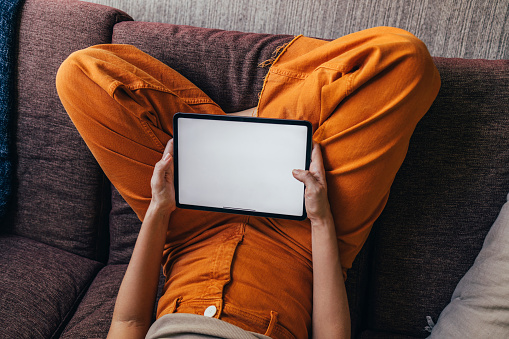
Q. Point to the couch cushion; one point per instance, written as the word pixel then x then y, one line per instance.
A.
pixel 462 28
pixel 60 187
pixel 124 229
pixel 93 316
pixel 444 199
pixel 40 286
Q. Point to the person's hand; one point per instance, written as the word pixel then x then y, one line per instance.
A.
pixel 316 200
pixel 163 189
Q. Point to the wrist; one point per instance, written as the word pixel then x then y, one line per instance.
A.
pixel 158 210
pixel 325 221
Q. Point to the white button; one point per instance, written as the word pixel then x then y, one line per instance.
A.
pixel 210 311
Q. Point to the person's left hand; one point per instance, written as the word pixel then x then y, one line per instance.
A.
pixel 163 188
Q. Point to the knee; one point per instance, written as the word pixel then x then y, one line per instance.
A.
pixel 80 78
pixel 404 62
pixel 411 59
pixel 70 75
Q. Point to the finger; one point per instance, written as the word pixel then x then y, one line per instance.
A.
pixel 168 149
pixel 316 166
pixel 158 174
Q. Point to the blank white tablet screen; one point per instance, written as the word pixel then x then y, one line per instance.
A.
pixel 241 165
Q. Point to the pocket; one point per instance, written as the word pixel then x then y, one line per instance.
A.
pixel 172 308
pixel 267 324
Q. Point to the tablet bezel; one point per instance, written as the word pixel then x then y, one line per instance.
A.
pixel 181 115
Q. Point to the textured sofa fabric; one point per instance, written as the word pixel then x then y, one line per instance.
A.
pixel 479 306
pixel 53 241
pixel 40 286
pixel 50 155
pixel 69 237
pixel 444 199
pixel 93 315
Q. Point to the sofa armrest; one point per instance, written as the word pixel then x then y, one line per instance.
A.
pixel 59 192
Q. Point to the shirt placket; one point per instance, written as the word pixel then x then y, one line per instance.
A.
pixel 220 273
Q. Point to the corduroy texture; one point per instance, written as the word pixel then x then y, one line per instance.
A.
pixel 9 10
pixel 39 287
pixel 60 187
pixel 444 199
pixel 461 28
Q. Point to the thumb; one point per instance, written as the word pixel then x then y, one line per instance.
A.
pixel 161 168
pixel 304 177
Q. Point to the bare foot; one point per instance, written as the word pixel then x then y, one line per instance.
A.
pixel 250 112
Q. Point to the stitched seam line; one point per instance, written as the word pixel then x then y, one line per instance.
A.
pixel 289 74
pixel 144 85
pixel 154 138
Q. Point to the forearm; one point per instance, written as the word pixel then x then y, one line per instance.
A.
pixel 137 293
pixel 331 316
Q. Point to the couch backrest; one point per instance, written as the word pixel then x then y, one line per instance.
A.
pixel 59 189
pixel 462 29
pixel 444 199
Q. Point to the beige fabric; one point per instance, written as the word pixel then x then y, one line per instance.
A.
pixel 191 326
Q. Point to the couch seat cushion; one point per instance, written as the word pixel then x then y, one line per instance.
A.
pixel 40 286
pixel 93 316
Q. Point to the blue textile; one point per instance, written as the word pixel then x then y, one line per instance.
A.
pixel 9 10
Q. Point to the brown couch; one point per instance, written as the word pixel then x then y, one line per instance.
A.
pixel 68 235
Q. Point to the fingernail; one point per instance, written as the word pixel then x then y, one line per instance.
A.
pixel 166 157
pixel 295 171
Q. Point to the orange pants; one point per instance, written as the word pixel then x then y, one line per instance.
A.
pixel 363 93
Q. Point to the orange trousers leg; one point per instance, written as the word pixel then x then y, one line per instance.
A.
pixel 364 94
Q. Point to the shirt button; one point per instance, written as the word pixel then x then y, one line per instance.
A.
pixel 210 311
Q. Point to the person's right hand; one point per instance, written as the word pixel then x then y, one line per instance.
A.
pixel 163 188
pixel 316 200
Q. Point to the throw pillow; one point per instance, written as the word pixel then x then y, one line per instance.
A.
pixel 479 307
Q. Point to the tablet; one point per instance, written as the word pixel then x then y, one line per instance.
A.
pixel 240 165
